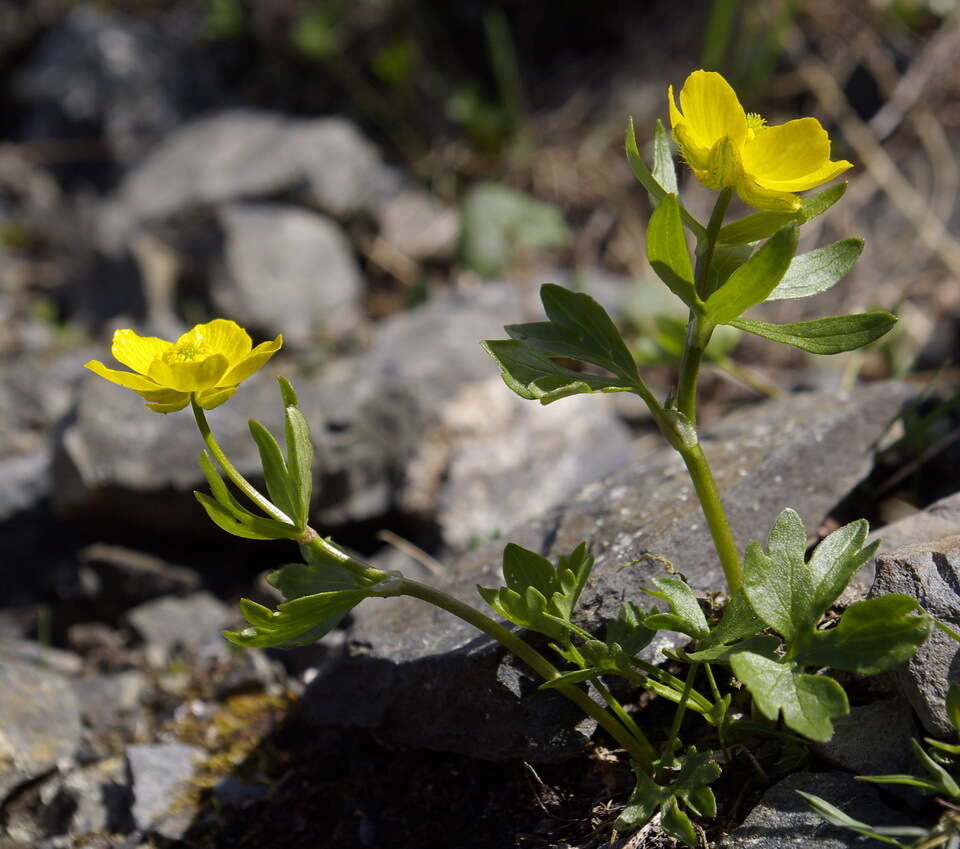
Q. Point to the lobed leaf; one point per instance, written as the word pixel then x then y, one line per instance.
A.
pixel 685 617
pixel 832 335
pixel 738 621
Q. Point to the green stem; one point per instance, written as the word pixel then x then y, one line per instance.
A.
pixel 680 711
pixel 710 241
pixel 620 711
pixel 639 748
pixel 713 511
pixel 247 488
pixel 699 331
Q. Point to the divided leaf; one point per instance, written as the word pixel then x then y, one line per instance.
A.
pixel 685 615
pixel 832 335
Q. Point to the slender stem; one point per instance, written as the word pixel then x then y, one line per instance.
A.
pixel 640 748
pixel 710 242
pixel 362 570
pixel 713 511
pixel 619 710
pixel 699 331
pixel 680 711
pixel 247 488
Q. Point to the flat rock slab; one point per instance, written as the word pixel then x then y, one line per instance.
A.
pixel 782 818
pixel 39 723
pixel 426 679
pixel 158 776
pixel 930 573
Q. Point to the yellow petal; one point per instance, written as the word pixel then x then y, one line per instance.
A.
pixel 711 111
pixel 137 352
pixel 211 398
pixel 172 407
pixel 165 396
pixel 766 200
pixel 123 378
pixel 188 375
pixel 252 362
pixel 220 336
pixel 788 157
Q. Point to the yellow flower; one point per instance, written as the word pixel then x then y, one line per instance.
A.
pixel 207 363
pixel 726 147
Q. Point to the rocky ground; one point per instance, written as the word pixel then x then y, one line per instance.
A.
pixel 127 721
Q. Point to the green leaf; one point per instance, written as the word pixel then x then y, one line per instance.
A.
pixel 628 630
pixel 252 527
pixel 299 463
pixel 537 378
pixel 667 250
pixel 297 622
pixel 835 816
pixel 764 644
pixel 664 171
pixel 685 617
pixel 817 270
pixel 953 705
pixel 819 203
pixel 287 393
pixel 837 558
pixel 639 167
pixel 832 335
pixel 500 225
pixel 872 636
pixel 779 585
pixel 296 580
pixel 577 676
pixel 753 281
pixel 523 568
pixel 573 571
pixel 945 782
pixel 677 824
pixel 599 340
pixel 946 629
pixel 738 621
pixel 753 228
pixel 221 492
pixel 726 260
pixel 274 468
pixel 808 703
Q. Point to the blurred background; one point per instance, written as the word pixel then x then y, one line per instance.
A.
pixel 386 182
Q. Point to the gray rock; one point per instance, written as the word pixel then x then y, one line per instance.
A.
pixel 39 723
pixel 63 662
pixel 24 482
pixel 783 818
pixel 158 776
pixel 110 702
pixel 170 624
pixel 247 154
pixel 289 271
pixel 405 659
pixel 98 796
pixel 502 460
pixel 930 573
pixel 419 226
pixel 125 577
pixel 872 739
pixel 132 76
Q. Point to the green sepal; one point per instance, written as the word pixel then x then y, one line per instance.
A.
pixel 685 617
pixel 667 251
pixel 871 636
pixel 274 468
pixel 817 270
pixel 753 281
pixel 252 527
pixel 831 335
pixel 808 703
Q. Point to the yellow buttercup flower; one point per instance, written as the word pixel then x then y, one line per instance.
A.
pixel 206 363
pixel 726 147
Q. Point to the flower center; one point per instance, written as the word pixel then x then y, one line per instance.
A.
pixel 186 352
pixel 754 123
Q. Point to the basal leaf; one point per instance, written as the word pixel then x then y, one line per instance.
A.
pixel 738 621
pixel 832 335
pixel 871 636
pixel 817 270
pixel 779 584
pixel 753 281
pixel 523 568
pixel 667 250
pixel 808 703
pixel 685 617
pixel 836 560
